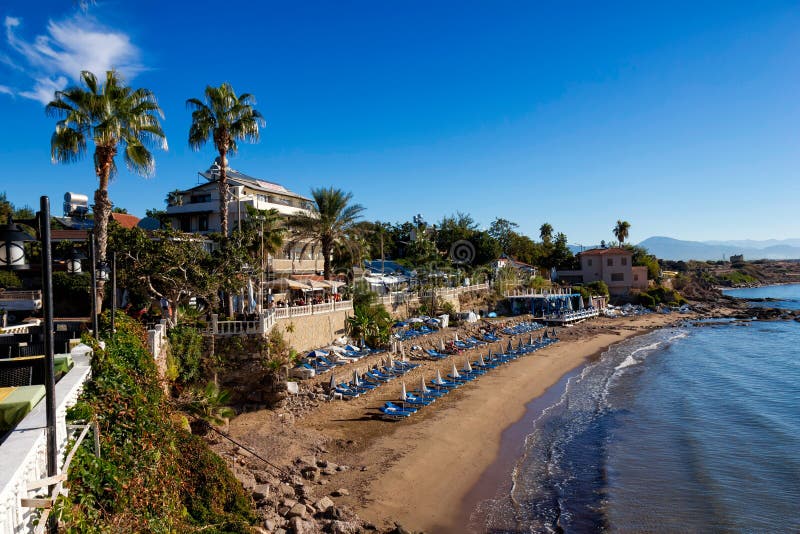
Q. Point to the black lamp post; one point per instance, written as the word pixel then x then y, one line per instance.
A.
pixel 74 261
pixel 12 248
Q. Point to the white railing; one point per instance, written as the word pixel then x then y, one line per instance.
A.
pixel 539 292
pixel 19 328
pixel 312 309
pixel 452 291
pixel 573 316
pixel 23 454
pixel 260 326
pixel 20 295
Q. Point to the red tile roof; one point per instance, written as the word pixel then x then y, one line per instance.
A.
pixel 125 220
pixel 604 251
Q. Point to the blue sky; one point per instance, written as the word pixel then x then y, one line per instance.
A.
pixel 682 118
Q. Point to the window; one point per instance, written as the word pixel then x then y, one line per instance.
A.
pixel 635 277
pixel 186 224
pixel 196 199
pixel 617 277
pixel 624 261
pixel 202 223
pixel 610 262
pixel 589 262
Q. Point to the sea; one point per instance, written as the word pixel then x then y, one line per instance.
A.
pixel 694 428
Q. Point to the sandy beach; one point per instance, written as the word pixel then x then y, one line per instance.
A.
pixel 417 472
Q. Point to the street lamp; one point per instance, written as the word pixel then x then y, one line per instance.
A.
pixel 12 249
pixel 74 261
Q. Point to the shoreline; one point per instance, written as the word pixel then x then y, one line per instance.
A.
pixel 419 490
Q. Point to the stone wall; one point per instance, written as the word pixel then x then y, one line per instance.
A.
pixel 312 331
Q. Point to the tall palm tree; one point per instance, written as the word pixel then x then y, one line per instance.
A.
pixel 328 221
pixel 115 117
pixel 546 232
pixel 621 231
pixel 224 118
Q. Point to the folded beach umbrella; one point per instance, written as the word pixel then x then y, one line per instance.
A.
pixel 439 380
pixel 403 392
pixel 510 347
pixel 467 367
pixel 356 381
pixel 402 352
pixel 530 341
pixel 389 362
pixel 480 360
pixel 455 337
pixel 580 302
pixel 455 371
pixel 519 345
pixel 441 345
pixel 422 387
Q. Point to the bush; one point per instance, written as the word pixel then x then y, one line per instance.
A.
pixel 10 280
pixel 152 476
pixel 185 354
pixel 598 288
pixel 646 300
pixel 72 294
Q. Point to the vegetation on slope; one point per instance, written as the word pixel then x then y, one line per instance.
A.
pixel 152 475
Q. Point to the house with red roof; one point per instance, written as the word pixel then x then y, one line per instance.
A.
pixel 614 266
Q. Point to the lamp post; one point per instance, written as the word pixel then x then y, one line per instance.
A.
pixel 93 258
pixel 12 248
pixel 49 367
pixel 74 261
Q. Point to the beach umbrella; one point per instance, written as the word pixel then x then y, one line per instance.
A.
pixel 480 360
pixel 402 352
pixel 356 381
pixel 455 371
pixel 580 302
pixel 510 347
pixel 403 392
pixel 519 345
pixel 389 362
pixel 422 387
pixel 467 367
pixel 441 345
pixel 333 382
pixel 530 340
pixel 439 380
pixel 569 303
pixel 455 337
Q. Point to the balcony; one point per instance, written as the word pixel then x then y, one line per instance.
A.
pixel 283 266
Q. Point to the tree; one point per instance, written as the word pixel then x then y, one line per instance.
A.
pixel 115 117
pixel 330 218
pixel 225 119
pixel 502 230
pixel 621 231
pixel 546 232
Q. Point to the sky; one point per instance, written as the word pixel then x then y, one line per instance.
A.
pixel 682 118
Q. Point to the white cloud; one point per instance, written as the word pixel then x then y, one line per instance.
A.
pixel 6 90
pixel 66 48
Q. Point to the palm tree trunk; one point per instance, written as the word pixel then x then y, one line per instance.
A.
pixel 104 156
pixel 223 194
pixel 326 260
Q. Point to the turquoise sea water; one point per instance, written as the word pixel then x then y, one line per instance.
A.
pixel 687 429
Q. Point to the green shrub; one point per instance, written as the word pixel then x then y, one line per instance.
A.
pixel 185 354
pixel 598 288
pixel 152 476
pixel 646 300
pixel 10 280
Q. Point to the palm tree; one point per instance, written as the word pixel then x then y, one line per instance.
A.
pixel 328 221
pixel 225 119
pixel 621 231
pixel 546 232
pixel 115 117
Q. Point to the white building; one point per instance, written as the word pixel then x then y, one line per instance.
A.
pixel 196 210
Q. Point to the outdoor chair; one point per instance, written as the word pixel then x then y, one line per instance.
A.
pixel 16 376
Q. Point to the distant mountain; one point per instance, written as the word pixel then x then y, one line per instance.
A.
pixel 676 249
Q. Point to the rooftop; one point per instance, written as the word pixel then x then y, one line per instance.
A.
pixel 604 251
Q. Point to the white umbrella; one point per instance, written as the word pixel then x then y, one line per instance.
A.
pixel 439 380
pixel 403 393
pixel 455 371
pixel 480 360
pixel 467 367
pixel 580 302
pixel 422 387
pixel 389 362
pixel 333 382
pixel 403 352
pixel 441 345
pixel 455 337
pixel 356 381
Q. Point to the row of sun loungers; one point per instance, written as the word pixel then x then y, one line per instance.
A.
pixel 427 393
pixel 322 361
pixel 371 379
